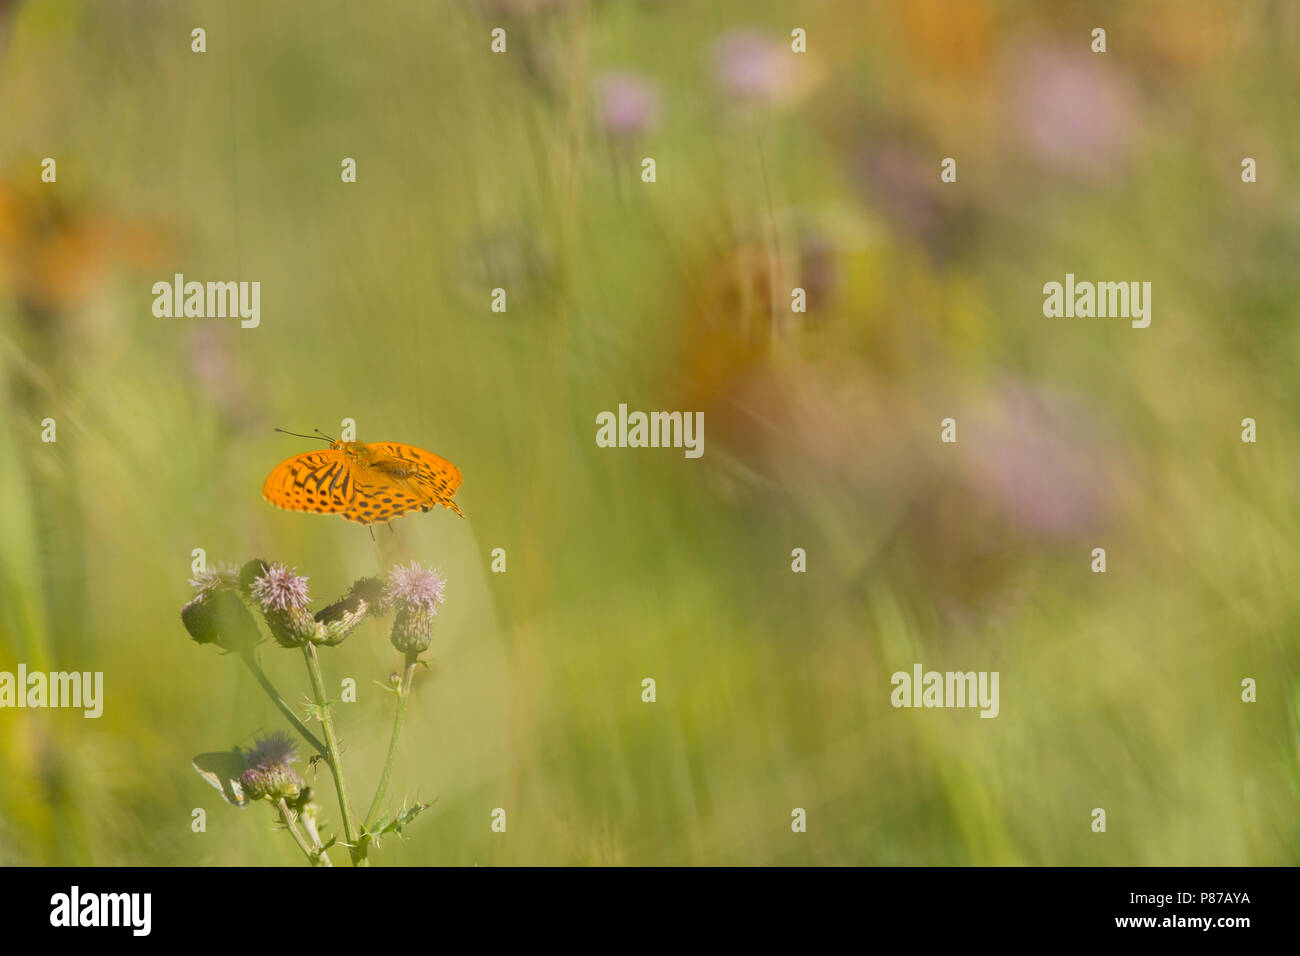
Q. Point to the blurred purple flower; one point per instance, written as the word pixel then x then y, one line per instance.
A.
pixel 818 270
pixel 903 183
pixel 753 67
pixel 214 365
pixel 628 104
pixel 1040 466
pixel 279 589
pixel 899 178
pixel 209 360
pixel 1071 111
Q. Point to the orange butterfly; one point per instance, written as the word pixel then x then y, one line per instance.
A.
pixel 363 483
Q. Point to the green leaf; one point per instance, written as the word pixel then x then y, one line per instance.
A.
pixel 404 817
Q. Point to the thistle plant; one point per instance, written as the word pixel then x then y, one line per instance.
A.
pixel 224 612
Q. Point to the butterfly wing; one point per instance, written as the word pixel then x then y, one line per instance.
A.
pixel 223 770
pixel 381 496
pixel 431 479
pixel 319 481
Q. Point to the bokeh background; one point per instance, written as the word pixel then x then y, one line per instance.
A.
pixel 775 170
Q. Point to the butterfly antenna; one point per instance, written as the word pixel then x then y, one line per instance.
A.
pixel 308 437
pixel 324 436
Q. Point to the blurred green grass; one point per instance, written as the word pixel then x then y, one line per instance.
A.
pixel 1119 691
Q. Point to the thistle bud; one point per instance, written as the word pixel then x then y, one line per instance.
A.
pixel 414 593
pixel 268 774
pixel 200 619
pixel 337 621
pixel 249 572
pixel 216 615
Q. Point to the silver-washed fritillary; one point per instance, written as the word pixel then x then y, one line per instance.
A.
pixel 365 483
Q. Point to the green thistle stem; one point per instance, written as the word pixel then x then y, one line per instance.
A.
pixel 313 836
pixel 287 816
pixel 251 662
pixel 403 694
pixel 332 755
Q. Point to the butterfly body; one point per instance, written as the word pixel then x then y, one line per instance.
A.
pixel 365 483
